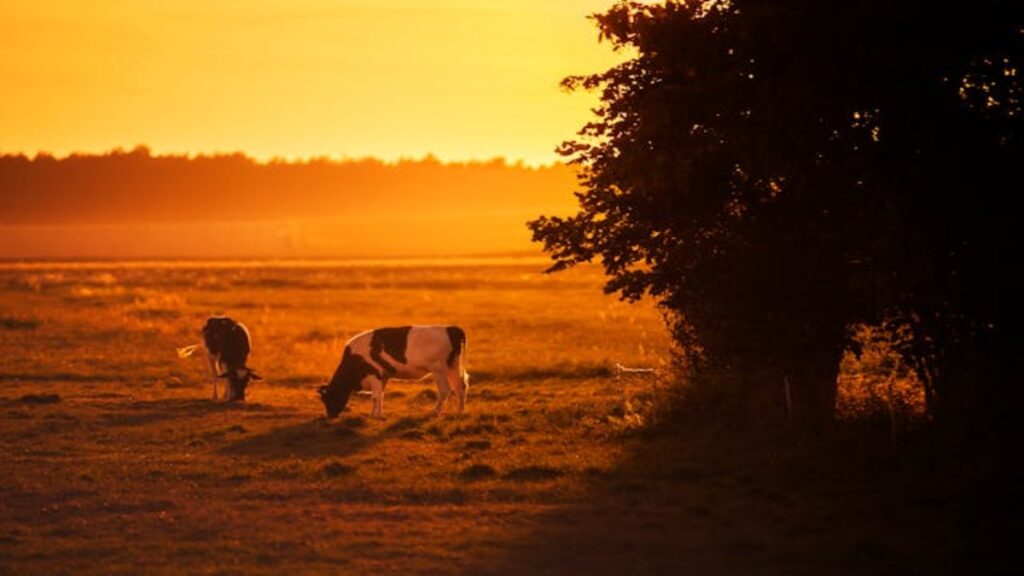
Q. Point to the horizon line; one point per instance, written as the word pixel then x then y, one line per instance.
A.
pixel 427 157
pixel 7 262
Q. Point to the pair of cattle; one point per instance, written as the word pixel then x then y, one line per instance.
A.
pixel 369 361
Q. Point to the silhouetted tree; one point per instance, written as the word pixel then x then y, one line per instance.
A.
pixel 775 172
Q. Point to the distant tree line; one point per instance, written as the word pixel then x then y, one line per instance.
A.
pixel 137 186
pixel 777 173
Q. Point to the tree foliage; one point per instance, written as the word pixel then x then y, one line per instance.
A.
pixel 777 172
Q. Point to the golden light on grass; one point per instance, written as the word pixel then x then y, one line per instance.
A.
pixel 114 456
pixel 136 421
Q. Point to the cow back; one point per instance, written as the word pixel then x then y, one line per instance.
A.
pixel 227 340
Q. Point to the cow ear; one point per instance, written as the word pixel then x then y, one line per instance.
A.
pixel 224 375
pixel 255 376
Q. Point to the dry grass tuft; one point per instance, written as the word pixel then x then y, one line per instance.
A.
pixel 335 469
pixel 476 472
pixel 40 399
pixel 533 474
pixel 17 323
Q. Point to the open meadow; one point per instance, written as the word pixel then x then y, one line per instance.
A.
pixel 113 458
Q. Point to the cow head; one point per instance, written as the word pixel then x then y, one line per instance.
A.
pixel 334 398
pixel 238 379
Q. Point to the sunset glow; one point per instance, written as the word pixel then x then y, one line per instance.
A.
pixel 509 287
pixel 460 79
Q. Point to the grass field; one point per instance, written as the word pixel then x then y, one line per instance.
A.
pixel 115 460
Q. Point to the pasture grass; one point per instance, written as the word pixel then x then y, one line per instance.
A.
pixel 127 466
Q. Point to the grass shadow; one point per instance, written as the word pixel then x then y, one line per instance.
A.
pixel 311 439
pixel 145 412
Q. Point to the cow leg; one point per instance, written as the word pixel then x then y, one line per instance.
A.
pixel 229 391
pixel 444 389
pixel 461 385
pixel 213 371
pixel 377 388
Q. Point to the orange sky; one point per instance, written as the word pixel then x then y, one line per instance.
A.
pixel 296 78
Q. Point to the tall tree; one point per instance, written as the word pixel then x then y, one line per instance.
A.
pixel 776 171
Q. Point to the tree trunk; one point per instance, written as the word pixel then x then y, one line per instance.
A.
pixel 813 385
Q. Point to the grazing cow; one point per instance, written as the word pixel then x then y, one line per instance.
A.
pixel 372 358
pixel 227 346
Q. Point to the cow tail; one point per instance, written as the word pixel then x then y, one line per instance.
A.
pixel 188 351
pixel 462 361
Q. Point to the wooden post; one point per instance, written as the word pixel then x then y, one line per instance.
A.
pixel 622 388
pixel 620 369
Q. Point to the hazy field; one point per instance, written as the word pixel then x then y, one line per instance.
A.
pixel 133 469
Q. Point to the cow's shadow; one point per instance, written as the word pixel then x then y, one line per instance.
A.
pixel 310 439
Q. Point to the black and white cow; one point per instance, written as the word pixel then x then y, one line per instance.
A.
pixel 227 346
pixel 372 358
